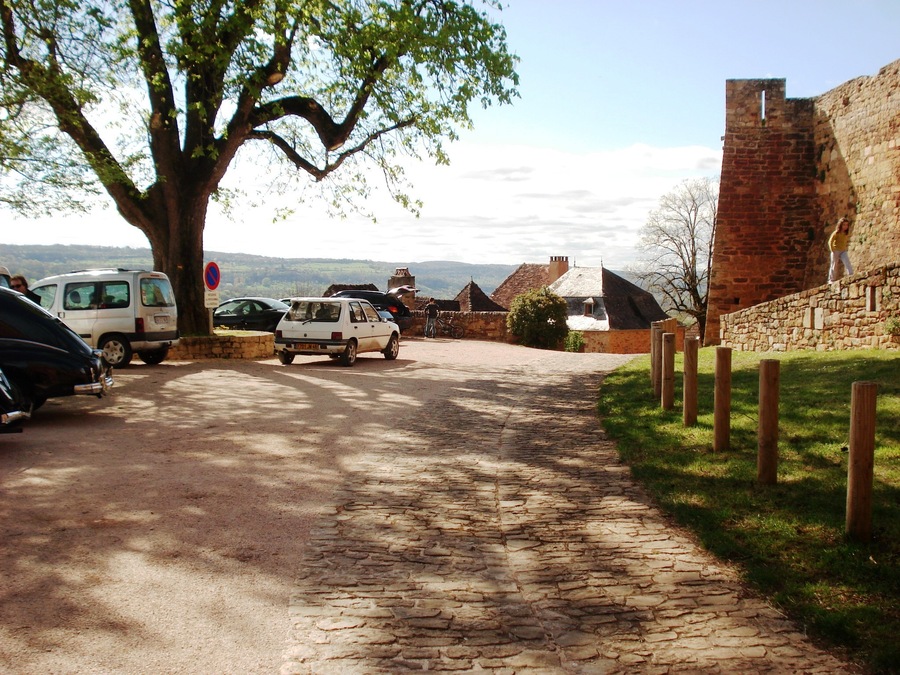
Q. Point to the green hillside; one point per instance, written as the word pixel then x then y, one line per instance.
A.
pixel 244 274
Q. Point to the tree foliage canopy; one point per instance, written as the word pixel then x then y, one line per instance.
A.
pixel 538 319
pixel 151 102
pixel 676 248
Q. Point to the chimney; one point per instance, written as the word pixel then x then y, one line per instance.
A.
pixel 559 265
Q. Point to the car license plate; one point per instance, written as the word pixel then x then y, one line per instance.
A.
pixel 162 319
pixel 306 345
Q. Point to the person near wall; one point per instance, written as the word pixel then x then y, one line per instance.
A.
pixel 838 243
pixel 431 315
pixel 18 283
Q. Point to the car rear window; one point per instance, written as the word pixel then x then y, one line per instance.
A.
pixel 156 292
pixel 305 310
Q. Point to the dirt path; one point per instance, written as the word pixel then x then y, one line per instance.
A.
pixel 456 509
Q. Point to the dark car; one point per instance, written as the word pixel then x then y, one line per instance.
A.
pixel 42 357
pixel 12 407
pixel 250 314
pixel 389 302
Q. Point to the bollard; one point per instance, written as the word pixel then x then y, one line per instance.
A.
pixel 861 464
pixel 689 407
pixel 722 402
pixel 655 356
pixel 667 399
pixel 767 432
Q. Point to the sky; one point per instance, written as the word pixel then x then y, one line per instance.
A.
pixel 620 102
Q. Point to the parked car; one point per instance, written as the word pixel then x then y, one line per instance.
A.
pixel 43 358
pixel 390 302
pixel 13 410
pixel 337 327
pixel 121 312
pixel 250 314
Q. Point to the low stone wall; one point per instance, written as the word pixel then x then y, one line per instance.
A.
pixel 479 325
pixel 624 341
pixel 251 345
pixel 856 312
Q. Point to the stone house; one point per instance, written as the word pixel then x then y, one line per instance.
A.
pixel 612 314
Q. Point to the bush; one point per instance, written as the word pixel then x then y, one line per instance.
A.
pixel 574 341
pixel 538 319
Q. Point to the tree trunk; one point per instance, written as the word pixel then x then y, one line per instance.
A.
pixel 177 245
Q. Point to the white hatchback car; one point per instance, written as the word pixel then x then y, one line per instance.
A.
pixel 336 327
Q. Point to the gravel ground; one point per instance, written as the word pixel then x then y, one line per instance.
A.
pixel 160 529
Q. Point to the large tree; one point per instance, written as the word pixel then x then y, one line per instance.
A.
pixel 150 101
pixel 676 248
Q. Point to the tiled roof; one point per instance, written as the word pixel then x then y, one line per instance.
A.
pixel 527 277
pixel 622 304
pixel 473 299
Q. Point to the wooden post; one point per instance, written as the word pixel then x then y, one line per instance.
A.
pixel 861 465
pixel 689 412
pixel 767 432
pixel 668 371
pixel 671 326
pixel 655 355
pixel 722 403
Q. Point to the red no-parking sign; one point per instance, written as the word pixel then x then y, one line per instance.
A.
pixel 211 276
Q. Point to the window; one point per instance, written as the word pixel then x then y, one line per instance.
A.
pixel 80 295
pixel 114 295
pixel 47 295
pixel 156 293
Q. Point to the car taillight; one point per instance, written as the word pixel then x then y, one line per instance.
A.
pixel 278 334
pixel 138 325
pixel 393 310
pixel 337 335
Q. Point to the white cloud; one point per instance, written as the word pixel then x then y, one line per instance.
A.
pixel 493 204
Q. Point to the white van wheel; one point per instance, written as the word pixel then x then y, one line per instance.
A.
pixel 116 350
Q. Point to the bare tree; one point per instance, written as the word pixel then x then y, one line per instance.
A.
pixel 676 246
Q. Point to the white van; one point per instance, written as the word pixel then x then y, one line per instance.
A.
pixel 122 312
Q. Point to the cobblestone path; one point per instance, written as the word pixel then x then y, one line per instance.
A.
pixel 502 535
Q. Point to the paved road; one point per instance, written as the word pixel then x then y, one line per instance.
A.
pixel 456 510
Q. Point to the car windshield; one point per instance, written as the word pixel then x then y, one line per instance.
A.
pixel 315 310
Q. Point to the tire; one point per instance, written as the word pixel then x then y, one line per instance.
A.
pixel 457 332
pixel 348 358
pixel 393 348
pixel 285 357
pixel 155 356
pixel 116 350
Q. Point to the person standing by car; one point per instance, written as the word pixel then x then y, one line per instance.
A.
pixel 19 283
pixel 431 315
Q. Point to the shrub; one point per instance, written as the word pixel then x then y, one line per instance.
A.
pixel 538 319
pixel 574 341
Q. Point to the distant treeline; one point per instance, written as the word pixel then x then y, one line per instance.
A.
pixel 244 274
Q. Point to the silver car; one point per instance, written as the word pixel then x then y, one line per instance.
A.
pixel 335 327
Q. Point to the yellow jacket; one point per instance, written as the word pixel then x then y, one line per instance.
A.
pixel 838 241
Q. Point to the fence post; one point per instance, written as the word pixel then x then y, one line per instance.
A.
pixel 668 371
pixel 722 403
pixel 689 408
pixel 767 432
pixel 861 465
pixel 655 355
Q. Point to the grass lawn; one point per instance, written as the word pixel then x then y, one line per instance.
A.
pixel 788 538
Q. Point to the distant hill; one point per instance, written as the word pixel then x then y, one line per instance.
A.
pixel 244 274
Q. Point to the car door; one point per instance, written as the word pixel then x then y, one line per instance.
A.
pixel 381 331
pixel 79 309
pixel 361 327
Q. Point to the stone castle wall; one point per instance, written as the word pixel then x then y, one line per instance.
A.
pixel 861 311
pixel 790 169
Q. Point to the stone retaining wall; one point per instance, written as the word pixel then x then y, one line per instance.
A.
pixel 856 312
pixel 251 345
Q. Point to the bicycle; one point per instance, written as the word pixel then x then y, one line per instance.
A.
pixel 447 327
